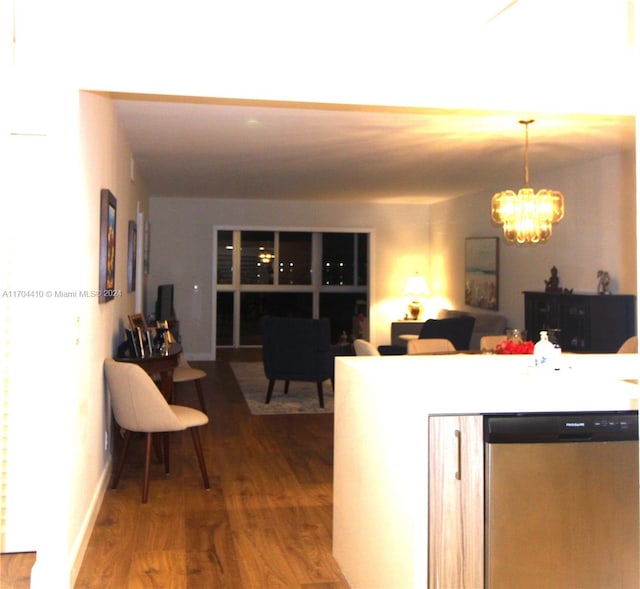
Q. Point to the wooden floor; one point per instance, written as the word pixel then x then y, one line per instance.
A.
pixel 265 523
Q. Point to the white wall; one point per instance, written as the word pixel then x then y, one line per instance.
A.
pixel 103 162
pixel 53 357
pixel 182 246
pixel 597 233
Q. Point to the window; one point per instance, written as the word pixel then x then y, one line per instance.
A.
pixel 257 253
pixel 225 257
pixel 343 310
pixel 255 305
pixel 289 274
pixel 294 258
pixel 224 318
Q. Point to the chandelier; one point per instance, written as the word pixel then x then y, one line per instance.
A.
pixel 527 216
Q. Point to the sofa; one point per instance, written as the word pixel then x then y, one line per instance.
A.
pixel 486 324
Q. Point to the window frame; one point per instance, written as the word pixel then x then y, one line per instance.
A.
pixel 316 288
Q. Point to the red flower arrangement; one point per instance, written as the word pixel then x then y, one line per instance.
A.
pixel 514 347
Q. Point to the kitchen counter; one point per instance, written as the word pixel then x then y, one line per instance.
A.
pixel 382 405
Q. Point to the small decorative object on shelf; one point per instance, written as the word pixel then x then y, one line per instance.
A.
pixel 604 283
pixel 553 284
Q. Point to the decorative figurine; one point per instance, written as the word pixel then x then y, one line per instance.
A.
pixel 553 284
pixel 604 282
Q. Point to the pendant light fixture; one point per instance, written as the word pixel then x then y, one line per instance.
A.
pixel 527 217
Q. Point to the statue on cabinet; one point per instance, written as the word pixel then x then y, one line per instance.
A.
pixel 553 284
pixel 604 283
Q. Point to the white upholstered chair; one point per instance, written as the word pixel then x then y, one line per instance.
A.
pixel 629 346
pixel 139 406
pixel 430 346
pixel 365 348
pixel 184 372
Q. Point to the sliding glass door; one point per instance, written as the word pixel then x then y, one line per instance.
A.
pixel 289 274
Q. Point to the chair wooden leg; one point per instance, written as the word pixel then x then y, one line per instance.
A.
pixel 147 467
pixel 200 396
pixel 115 478
pixel 269 391
pixel 165 452
pixel 320 394
pixel 198 446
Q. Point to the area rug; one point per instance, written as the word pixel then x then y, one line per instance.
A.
pixel 302 396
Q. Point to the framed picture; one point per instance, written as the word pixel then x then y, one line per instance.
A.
pixel 145 247
pixel 107 278
pixel 131 257
pixel 137 321
pixel 481 272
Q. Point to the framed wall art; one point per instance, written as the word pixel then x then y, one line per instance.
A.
pixel 481 272
pixel 145 247
pixel 131 257
pixel 107 279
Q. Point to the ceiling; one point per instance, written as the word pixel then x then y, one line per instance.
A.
pixel 275 150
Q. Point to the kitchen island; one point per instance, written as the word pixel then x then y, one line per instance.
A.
pixel 381 455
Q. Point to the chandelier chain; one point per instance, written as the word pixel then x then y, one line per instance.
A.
pixel 526 150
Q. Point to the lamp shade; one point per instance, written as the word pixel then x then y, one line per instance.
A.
pixel 416 286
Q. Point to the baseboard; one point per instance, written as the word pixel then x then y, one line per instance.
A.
pixel 84 535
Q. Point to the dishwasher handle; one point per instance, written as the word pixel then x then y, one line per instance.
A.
pixel 458 435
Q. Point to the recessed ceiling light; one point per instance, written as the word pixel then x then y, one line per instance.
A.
pixel 253 123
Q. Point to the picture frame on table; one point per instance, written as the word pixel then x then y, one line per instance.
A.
pixel 107 268
pixel 137 320
pixel 141 334
pixel 481 273
pixel 133 344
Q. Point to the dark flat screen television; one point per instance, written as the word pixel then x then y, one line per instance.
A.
pixel 164 303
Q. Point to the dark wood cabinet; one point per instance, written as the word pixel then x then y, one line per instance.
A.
pixel 586 323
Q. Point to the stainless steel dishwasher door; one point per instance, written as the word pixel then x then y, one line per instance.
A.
pixel 561 512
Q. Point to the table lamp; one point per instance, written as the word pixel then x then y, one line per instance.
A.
pixel 416 288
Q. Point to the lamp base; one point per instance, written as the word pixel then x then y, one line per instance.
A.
pixel 414 310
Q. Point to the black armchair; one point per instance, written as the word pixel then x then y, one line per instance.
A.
pixel 457 330
pixel 296 349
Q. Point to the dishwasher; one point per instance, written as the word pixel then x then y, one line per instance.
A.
pixel 562 501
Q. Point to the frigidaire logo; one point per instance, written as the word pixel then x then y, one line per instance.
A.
pixel 574 424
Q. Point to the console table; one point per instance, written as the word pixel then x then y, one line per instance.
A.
pixel 162 364
pixel 405 327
